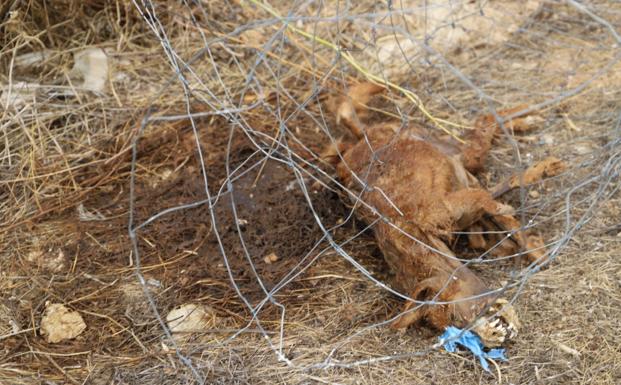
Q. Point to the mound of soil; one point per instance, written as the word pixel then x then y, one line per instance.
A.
pixel 258 230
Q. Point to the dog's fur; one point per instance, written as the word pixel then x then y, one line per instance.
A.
pixel 423 187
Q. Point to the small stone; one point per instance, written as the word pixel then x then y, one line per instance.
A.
pixel 189 318
pixel 270 258
pixel 51 260
pixel 583 149
pixel 166 173
pixel 547 139
pixel 534 194
pixel 59 323
pixel 91 65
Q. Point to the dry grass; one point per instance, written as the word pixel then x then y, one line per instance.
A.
pixel 67 148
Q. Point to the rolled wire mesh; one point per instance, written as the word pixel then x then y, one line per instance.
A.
pixel 434 57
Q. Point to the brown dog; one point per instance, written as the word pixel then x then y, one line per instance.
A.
pixel 423 188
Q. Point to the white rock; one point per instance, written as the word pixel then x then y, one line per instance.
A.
pixel 547 139
pixel 18 94
pixel 583 149
pixel 33 58
pixel 59 323
pixel 92 65
pixel 86 215
pixel 50 260
pixel 270 258
pixel 189 318
pixel 447 26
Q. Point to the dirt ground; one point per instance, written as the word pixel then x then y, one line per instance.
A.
pixel 71 184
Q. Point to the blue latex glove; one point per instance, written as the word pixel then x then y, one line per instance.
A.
pixel 453 336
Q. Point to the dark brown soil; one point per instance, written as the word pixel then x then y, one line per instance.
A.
pixel 264 214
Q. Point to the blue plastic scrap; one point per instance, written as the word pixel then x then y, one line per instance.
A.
pixel 453 336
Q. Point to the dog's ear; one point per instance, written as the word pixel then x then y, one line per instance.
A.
pixel 353 106
pixel 361 93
